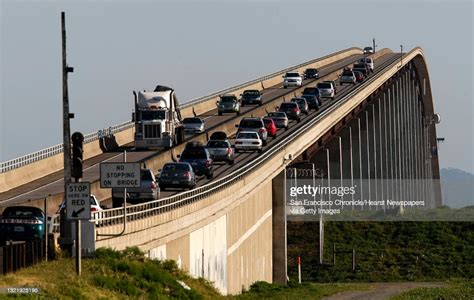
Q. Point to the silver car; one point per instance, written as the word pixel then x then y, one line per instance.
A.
pixel 280 119
pixel 228 103
pixel 147 190
pixel 348 76
pixel 193 125
pixel 221 151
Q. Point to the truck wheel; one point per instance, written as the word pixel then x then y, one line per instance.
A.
pixel 220 113
pixel 238 113
pixel 179 135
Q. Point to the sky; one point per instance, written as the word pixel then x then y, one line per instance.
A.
pixel 200 47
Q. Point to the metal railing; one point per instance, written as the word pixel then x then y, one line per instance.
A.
pixel 57 149
pixel 51 151
pixel 138 211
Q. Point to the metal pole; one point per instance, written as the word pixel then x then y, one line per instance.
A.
pixel 373 41
pixel 78 247
pixel 46 231
pixel 66 225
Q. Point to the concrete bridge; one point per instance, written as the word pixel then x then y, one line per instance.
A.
pixel 232 229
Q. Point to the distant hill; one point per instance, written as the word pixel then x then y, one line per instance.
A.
pixel 457 187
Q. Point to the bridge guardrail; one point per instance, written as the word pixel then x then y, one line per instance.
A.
pixel 53 150
pixel 115 215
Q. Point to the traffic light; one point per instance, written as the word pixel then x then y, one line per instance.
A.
pixel 77 140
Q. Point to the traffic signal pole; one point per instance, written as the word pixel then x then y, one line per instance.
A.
pixel 66 238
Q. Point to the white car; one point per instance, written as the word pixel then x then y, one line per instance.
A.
pixel 326 89
pixel 292 79
pixel 370 63
pixel 193 125
pixel 248 140
pixel 368 50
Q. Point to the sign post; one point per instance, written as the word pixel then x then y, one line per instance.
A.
pixel 120 175
pixel 78 207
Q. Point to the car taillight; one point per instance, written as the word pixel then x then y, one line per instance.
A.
pixel 187 174
pixel 229 150
pixel 208 162
pixel 238 142
pixel 153 185
pixel 255 143
pixel 94 209
pixel 262 130
pixel 295 109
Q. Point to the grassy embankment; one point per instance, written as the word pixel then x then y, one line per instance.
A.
pixel 127 274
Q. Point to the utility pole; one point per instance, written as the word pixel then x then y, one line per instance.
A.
pixel 66 239
pixel 373 42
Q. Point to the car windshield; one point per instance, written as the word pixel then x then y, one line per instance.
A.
pixel 277 114
pixel 292 75
pixel 145 175
pixel 367 48
pixel 247 135
pixel 148 115
pixel 251 93
pixel 311 71
pixel 217 144
pixel 267 121
pixel 176 167
pixel 253 123
pixel 22 212
pixel 194 154
pixel 227 99
pixel 324 85
pixel 192 121
pixel 287 105
pixel 311 91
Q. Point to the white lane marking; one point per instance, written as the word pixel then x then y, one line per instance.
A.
pixel 249 232
pixel 53 182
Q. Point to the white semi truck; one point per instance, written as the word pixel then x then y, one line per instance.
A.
pixel 157 119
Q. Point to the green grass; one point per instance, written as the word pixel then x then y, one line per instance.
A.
pixel 385 251
pixel 129 275
pixel 110 275
pixel 264 290
pixel 458 290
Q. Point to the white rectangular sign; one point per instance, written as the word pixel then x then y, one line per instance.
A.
pixel 78 203
pixel 119 175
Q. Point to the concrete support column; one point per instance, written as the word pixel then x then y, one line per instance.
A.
pixel 391 144
pixel 357 162
pixel 347 156
pixel 365 154
pixel 279 229
pixel 376 151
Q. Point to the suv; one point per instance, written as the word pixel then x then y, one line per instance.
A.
pixel 302 104
pixel 370 63
pixel 348 76
pixel 326 89
pixel 333 82
pixel 228 103
pixel 255 125
pixel 146 191
pixel 291 109
pixel 251 97
pixel 361 67
pixel 311 73
pixel 292 79
pixel 221 150
pixel 199 158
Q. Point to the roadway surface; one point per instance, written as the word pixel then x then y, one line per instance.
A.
pixel 53 183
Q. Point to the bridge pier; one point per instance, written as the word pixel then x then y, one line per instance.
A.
pixel 279 244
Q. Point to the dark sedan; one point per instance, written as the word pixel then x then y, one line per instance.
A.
pixel 22 223
pixel 177 175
